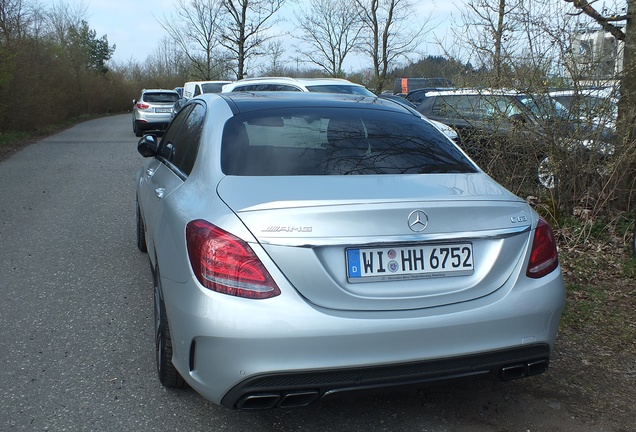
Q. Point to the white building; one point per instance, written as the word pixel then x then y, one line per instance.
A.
pixel 598 57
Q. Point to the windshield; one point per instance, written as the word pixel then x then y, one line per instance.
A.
pixel 544 107
pixel 327 141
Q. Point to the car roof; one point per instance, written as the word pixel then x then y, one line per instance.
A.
pixel 475 92
pixel 158 91
pixel 209 82
pixel 430 89
pixel 303 82
pixel 252 101
pixel 601 93
pixel 311 81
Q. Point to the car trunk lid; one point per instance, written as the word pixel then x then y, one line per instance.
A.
pixel 399 229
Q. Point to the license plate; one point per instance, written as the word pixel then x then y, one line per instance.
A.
pixel 409 262
pixel 163 110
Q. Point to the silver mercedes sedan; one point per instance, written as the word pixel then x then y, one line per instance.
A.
pixel 303 245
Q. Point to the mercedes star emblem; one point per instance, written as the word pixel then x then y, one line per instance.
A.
pixel 418 220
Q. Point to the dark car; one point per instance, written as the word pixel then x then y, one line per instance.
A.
pixel 514 133
pixel 416 97
pixel 479 117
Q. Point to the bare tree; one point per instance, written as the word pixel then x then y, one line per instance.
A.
pixel 275 54
pixel 167 63
pixel 610 21
pixel 621 23
pixel 195 28
pixel 62 17
pixel 14 18
pixel 245 29
pixel 391 31
pixel 331 29
pixel 488 28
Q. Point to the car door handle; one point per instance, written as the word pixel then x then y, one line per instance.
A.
pixel 159 192
pixel 149 172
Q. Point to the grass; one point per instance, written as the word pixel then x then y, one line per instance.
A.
pixel 10 138
pixel 12 141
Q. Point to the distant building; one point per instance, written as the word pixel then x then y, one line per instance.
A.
pixel 597 56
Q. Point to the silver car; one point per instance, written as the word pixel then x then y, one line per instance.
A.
pixel 153 110
pixel 305 244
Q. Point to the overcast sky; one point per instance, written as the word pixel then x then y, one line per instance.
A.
pixel 132 25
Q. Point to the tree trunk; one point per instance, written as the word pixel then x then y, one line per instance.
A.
pixel 626 124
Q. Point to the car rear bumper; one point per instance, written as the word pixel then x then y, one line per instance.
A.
pixel 152 124
pixel 251 354
pixel 292 390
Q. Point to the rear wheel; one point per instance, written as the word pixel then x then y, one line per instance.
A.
pixel 141 232
pixel 137 129
pixel 167 373
pixel 545 174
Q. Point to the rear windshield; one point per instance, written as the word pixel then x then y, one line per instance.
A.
pixel 161 97
pixel 212 87
pixel 340 88
pixel 318 141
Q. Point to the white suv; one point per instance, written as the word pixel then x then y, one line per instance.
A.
pixel 153 110
pixel 322 85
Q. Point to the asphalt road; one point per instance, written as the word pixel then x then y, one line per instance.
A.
pixel 76 344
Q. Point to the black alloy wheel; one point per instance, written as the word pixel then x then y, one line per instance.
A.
pixel 167 373
pixel 141 232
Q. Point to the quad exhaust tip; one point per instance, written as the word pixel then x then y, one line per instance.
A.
pixel 264 401
pixel 522 370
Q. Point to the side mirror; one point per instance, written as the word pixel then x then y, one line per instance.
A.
pixel 147 146
pixel 134 101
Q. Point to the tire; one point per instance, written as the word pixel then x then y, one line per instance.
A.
pixel 139 132
pixel 166 372
pixel 141 232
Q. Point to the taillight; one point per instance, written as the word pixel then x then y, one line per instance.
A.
pixel 543 256
pixel 226 264
pixel 142 105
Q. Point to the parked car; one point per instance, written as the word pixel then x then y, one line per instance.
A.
pixel 321 85
pixel 416 97
pixel 480 117
pixel 152 111
pixel 598 107
pixel 446 130
pixel 504 129
pixel 405 86
pixel 305 244
pixel 589 144
pixel 195 88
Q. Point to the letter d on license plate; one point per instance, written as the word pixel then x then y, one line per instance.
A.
pixel 409 262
